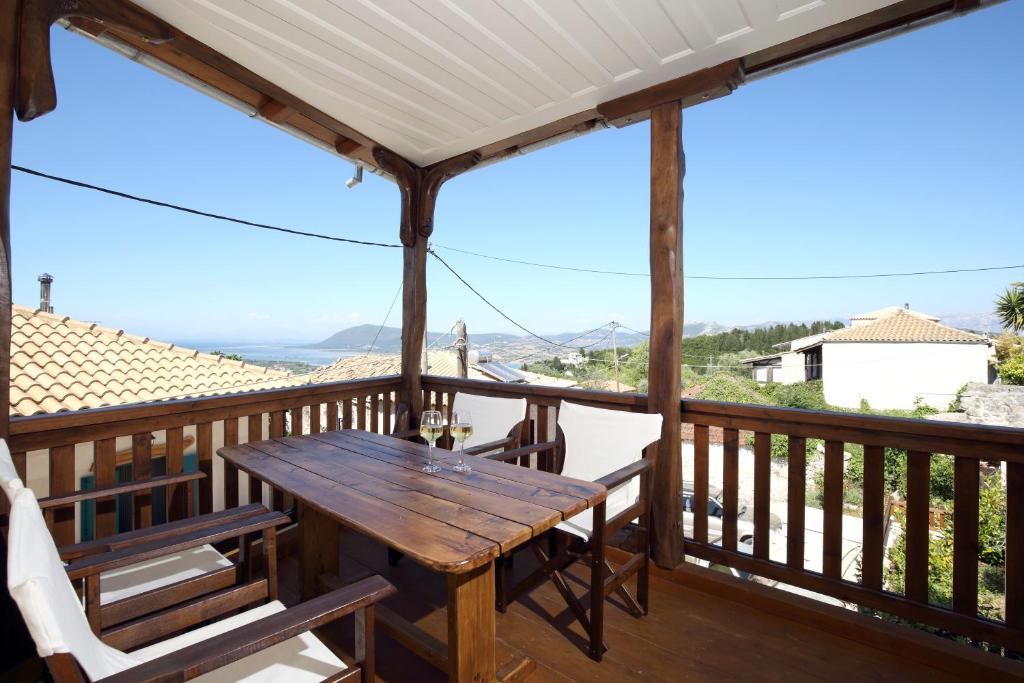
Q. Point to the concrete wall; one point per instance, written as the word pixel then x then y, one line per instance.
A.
pixel 893 375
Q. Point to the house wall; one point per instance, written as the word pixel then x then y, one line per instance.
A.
pixel 792 370
pixel 890 375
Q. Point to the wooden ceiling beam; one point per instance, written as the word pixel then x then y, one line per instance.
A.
pixel 691 89
pixel 275 112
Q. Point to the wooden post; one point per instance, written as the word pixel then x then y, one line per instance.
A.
pixel 8 67
pixel 462 348
pixel 419 188
pixel 667 171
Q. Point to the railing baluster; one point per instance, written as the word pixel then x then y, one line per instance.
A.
pixel 832 523
pixel 176 499
pixel 797 490
pixel 874 517
pixel 296 421
pixel 142 468
pixel 762 493
pixel 346 414
pixel 966 489
pixel 1015 545
pixel 387 412
pixel 62 480
pixel 105 467
pixel 278 499
pixel 375 413
pixel 204 454
pixel 545 461
pixel 361 412
pixel 314 419
pixel 916 533
pixel 332 416
pixel 700 483
pixel 230 471
pixel 255 433
pixel 730 486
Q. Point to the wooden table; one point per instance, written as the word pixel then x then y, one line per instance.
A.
pixel 455 524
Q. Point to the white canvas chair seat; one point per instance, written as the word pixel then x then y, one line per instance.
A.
pixel 160 572
pixel 137 578
pixel 493 418
pixel 56 621
pixel 598 442
pixel 302 659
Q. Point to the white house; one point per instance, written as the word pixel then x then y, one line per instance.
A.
pixel 888 358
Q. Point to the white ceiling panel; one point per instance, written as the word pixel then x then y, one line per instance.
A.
pixel 434 78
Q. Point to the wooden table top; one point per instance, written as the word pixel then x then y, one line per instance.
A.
pixel 447 521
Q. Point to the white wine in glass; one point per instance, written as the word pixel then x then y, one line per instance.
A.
pixel 462 429
pixel 431 429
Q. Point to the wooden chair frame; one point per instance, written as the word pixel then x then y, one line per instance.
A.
pixel 148 616
pixel 195 660
pixel 565 549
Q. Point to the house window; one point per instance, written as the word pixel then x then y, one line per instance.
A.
pixel 812 363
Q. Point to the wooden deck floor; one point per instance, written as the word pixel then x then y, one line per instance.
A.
pixel 689 635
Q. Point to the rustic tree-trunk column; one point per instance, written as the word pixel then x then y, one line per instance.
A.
pixel 8 66
pixel 667 170
pixel 419 188
pixel 414 326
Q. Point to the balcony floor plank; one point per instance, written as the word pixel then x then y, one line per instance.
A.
pixel 689 634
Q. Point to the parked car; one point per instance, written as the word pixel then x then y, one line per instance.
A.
pixel 715 512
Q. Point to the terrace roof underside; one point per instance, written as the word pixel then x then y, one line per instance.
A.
pixel 431 81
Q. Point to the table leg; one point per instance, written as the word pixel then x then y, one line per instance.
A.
pixel 319 553
pixel 471 632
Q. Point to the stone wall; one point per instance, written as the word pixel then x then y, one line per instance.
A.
pixel 994 404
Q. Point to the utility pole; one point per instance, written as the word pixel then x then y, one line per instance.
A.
pixel 615 353
pixel 462 348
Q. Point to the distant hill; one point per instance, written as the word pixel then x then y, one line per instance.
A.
pixel 360 337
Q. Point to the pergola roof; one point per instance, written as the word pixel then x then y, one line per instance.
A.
pixel 431 79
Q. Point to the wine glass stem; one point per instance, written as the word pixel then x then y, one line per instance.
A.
pixel 462 452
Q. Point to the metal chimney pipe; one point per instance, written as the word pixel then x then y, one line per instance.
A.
pixel 45 280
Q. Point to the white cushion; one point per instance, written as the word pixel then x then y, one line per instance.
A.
pixel 598 442
pixel 138 578
pixel 44 595
pixel 493 418
pixel 297 660
pixel 10 482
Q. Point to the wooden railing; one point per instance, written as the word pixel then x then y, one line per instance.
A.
pixel 54 441
pixel 969 444
pixel 91 436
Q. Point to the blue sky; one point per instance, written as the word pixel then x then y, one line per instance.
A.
pixel 904 155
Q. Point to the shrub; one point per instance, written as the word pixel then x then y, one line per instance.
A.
pixel 725 387
pixel 1012 370
pixel 809 395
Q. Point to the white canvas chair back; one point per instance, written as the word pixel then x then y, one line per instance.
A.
pixel 599 442
pixel 493 418
pixel 10 482
pixel 44 595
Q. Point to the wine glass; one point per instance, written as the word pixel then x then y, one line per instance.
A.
pixel 461 429
pixel 431 429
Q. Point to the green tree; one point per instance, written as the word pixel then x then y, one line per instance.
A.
pixel 1012 370
pixel 1010 307
pixel 227 356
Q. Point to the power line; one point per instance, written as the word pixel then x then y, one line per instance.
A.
pixel 197 212
pixel 493 307
pixel 386 316
pixel 349 240
pixel 566 343
pixel 854 276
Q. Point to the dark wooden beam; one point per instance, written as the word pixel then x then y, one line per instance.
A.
pixel 419 188
pixel 663 395
pixel 691 89
pixel 8 83
pixel 36 93
pixel 275 112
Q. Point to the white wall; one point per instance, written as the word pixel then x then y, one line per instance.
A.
pixel 792 369
pixel 891 375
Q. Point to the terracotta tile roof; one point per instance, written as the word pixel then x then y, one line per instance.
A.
pixel 891 310
pixel 59 364
pixel 904 326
